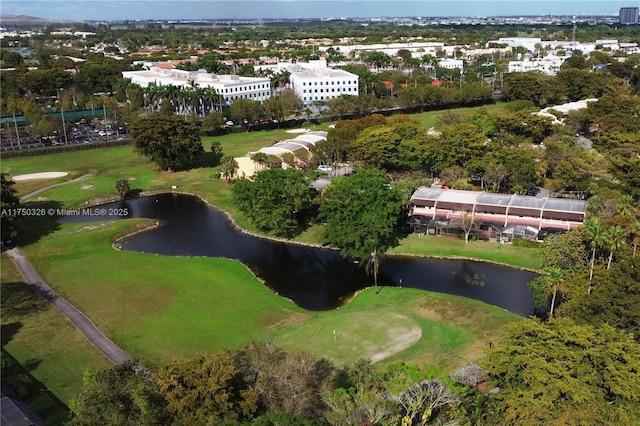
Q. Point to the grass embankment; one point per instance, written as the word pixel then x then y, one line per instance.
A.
pixel 52 352
pixel 507 254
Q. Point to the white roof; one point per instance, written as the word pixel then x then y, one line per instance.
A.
pixel 310 138
pixel 275 150
pixel 458 196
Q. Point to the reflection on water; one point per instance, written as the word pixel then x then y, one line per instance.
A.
pixel 313 278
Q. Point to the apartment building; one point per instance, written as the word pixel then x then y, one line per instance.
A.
pixel 503 213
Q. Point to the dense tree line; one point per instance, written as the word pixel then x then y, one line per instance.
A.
pixel 262 384
pixel 553 373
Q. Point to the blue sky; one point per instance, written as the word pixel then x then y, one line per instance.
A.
pixel 222 9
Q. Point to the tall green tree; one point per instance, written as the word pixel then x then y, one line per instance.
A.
pixel 616 239
pixel 392 146
pixel 122 187
pixel 274 200
pixel 372 266
pixel 285 381
pixel 361 212
pixel 119 396
pixel 168 141
pixel 634 233
pixel 561 373
pixel 246 110
pixel 596 238
pixel 9 201
pixel 615 300
pixel 206 390
pixel 456 145
pixel 229 167
pixel 565 251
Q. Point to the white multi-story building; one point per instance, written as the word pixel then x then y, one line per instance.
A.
pixel 314 81
pixel 391 49
pixel 231 87
pixel 549 65
pixel 320 84
pixel 452 64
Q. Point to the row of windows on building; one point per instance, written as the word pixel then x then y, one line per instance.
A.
pixel 245 88
pixel 259 95
pixel 317 98
pixel 326 83
pixel 333 90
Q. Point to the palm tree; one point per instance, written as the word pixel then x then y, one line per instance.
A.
pixel 259 159
pixel 634 231
pixel 555 276
pixel 596 236
pixel 626 207
pixel 616 236
pixel 153 93
pixel 229 167
pixel 13 106
pixel 372 266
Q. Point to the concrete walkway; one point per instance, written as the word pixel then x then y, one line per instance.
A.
pixel 46 188
pixel 84 324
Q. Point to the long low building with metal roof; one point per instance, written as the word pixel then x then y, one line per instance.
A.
pixel 503 210
pixel 304 142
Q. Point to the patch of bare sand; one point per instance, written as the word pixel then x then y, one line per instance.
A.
pixel 399 340
pixel 42 175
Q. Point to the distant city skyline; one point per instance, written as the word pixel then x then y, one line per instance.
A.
pixel 99 10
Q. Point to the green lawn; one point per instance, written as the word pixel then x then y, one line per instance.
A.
pixel 507 254
pixel 52 351
pixel 452 331
pixel 159 308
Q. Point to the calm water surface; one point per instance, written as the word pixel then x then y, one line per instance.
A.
pixel 314 278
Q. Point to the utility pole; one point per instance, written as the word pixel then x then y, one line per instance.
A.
pixel 106 131
pixel 64 126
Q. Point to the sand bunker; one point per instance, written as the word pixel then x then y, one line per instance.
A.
pixel 43 175
pixel 298 131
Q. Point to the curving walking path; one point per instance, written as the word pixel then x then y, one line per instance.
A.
pixel 46 188
pixel 84 324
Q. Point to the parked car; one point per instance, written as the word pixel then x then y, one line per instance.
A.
pixel 324 168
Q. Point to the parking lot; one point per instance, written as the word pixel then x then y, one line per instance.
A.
pixel 77 133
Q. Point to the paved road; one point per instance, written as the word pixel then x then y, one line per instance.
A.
pixel 84 324
pixel 46 188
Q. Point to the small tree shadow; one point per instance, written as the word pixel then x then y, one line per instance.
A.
pixel 133 193
pixel 8 331
pixel 31 364
pixel 31 391
pixel 42 222
pixel 18 299
pixel 208 159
